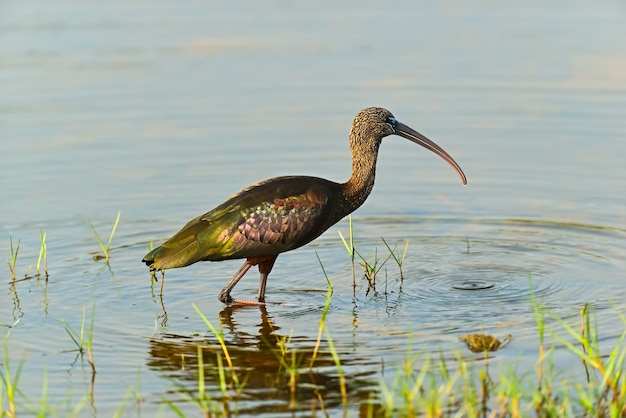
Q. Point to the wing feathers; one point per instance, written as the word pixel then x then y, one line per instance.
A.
pixel 265 219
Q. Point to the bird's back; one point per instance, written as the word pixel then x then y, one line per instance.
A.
pixel 265 219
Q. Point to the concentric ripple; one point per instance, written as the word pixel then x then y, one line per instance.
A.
pixel 492 268
pixel 472 285
pixel 480 286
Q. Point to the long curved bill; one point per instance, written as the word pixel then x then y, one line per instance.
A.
pixel 412 135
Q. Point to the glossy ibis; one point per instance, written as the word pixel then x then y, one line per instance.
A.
pixel 284 213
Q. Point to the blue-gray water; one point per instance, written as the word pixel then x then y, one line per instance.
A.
pixel 162 110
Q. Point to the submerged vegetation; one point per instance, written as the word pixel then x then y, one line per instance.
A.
pixel 318 378
pixel 440 385
pixel 422 385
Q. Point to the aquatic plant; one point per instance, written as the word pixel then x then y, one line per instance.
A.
pixel 398 259
pixel 421 384
pixel 220 338
pixel 323 327
pixel 430 389
pixel 43 254
pixel 606 388
pixel 201 398
pixel 9 383
pixel 349 247
pixel 291 366
pixel 322 323
pixel 105 248
pixel 14 252
pixel 83 344
pixel 371 268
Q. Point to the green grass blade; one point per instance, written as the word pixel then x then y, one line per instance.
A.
pixel 72 334
pixel 44 394
pixel 78 339
pixel 117 220
pixel 345 244
pixel 392 252
pixel 42 250
pixel 221 375
pixel 90 338
pixel 220 338
pixel 104 249
pixel 121 408
pixel 349 247
pixel 337 360
pixel 406 248
pixel 174 408
pixel 201 387
pixel 14 252
pixel 329 294
pixel 349 244
pixel 17 249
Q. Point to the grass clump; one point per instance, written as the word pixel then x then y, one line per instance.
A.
pixel 9 383
pixel 83 343
pixel 14 402
pixel 106 249
pixel 202 400
pixel 425 386
pixel 606 387
pixel 371 266
pixel 399 259
pixel 220 338
pixel 43 256
pixel 227 380
pixel 14 252
pixel 289 361
pixel 324 327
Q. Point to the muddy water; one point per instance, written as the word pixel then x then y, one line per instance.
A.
pixel 162 111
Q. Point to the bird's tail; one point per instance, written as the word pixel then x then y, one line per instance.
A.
pixel 150 258
pixel 166 257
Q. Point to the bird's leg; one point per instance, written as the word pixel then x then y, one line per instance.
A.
pixel 224 295
pixel 265 266
pixel 264 269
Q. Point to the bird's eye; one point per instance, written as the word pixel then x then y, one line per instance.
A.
pixel 391 121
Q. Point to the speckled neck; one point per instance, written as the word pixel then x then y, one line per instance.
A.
pixel 364 155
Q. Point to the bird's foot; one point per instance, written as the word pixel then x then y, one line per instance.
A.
pixel 246 302
pixel 225 298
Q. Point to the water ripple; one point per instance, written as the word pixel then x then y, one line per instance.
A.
pixel 464 269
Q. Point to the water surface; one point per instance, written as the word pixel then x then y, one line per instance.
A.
pixel 164 110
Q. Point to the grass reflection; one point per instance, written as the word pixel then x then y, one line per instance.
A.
pixel 275 372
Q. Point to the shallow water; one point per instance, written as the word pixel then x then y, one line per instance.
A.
pixel 162 111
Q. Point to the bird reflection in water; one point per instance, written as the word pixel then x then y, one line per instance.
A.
pixel 271 367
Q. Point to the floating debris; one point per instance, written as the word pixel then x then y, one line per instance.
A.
pixel 477 343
